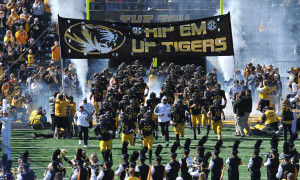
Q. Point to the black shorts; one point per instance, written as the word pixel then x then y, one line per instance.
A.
pixel 61 122
pixel 264 103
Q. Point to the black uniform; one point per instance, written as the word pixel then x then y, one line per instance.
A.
pixel 123 173
pixel 219 95
pixel 147 127
pixel 216 112
pixel 216 170
pixel 173 173
pixel 109 174
pixel 169 95
pixel 143 173
pixel 195 110
pixel 28 175
pixel 127 126
pixel 233 170
pixel 123 105
pixel 255 169
pixel 288 167
pixel 152 103
pixel 159 172
pixel 102 131
pixel 184 169
pixel 272 168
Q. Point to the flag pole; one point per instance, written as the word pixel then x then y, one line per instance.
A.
pixel 221 7
pixel 61 61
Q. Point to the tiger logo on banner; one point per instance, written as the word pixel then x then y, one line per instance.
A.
pixel 93 39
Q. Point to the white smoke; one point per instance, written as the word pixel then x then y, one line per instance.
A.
pixel 72 9
pixel 81 66
pixel 67 9
pixel 227 62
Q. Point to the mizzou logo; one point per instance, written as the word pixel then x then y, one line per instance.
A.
pixel 93 39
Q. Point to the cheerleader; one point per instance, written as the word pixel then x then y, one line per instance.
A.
pixel 95 166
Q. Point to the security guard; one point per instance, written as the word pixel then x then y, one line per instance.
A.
pixel 269 118
pixel 195 110
pixel 151 104
pixel 178 115
pixel 146 128
pixel 214 114
pixel 103 132
pixel 127 128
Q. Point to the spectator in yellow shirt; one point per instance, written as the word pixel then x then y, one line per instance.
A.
pixel 55 52
pixel 21 35
pixel 47 6
pixel 30 58
pixel 11 5
pixel 9 39
pixel 13 18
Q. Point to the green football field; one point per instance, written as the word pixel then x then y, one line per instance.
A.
pixel 40 150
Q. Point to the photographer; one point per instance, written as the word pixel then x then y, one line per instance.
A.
pixel 264 95
pixel 38 120
pixel 17 104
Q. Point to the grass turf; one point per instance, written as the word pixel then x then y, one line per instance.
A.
pixel 40 150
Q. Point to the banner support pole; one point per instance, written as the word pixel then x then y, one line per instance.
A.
pixel 87 9
pixel 61 65
pixel 221 7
